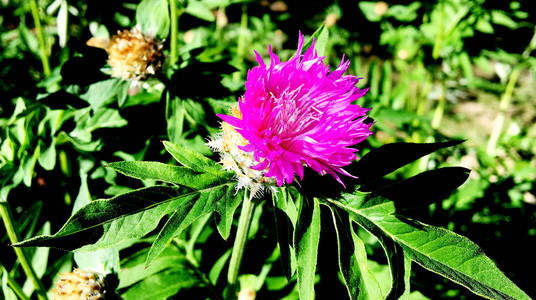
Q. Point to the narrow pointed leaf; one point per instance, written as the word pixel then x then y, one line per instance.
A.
pixel 358 278
pixel 192 159
pixel 439 250
pixel 399 263
pixel 286 216
pixel 306 239
pixel 167 173
pixel 199 206
pixel 105 222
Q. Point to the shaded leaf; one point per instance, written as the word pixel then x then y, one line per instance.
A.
pixel 358 278
pixel 306 239
pixel 153 17
pixel 390 157
pixel 444 252
pixel 425 188
pixel 286 217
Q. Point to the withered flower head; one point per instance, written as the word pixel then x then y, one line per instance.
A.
pixel 131 54
pixel 78 285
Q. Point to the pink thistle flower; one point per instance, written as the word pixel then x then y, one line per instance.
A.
pixel 297 113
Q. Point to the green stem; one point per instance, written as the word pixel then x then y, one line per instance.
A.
pixel 239 246
pixel 439 37
pixel 440 108
pixel 174 15
pixel 241 47
pixel 7 217
pixel 499 120
pixel 40 37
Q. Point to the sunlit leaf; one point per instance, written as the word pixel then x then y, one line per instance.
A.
pixel 306 239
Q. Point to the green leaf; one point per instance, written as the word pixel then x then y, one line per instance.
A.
pixel 315 35
pixel 193 160
pixel 133 270
pixel 200 10
pixel 306 239
pixel 322 41
pixel 358 278
pixel 6 290
pixel 183 217
pixel 441 251
pixel 286 217
pixel 217 267
pixel 47 157
pixel 106 222
pixel 167 173
pixel 162 285
pixel 101 92
pixel 153 17
pixel 39 262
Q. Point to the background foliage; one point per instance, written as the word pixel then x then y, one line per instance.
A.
pixel 436 70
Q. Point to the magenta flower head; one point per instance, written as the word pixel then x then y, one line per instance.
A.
pixel 294 114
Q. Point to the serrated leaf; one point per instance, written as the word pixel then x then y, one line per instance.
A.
pixel 192 159
pixel 439 250
pixel 133 270
pixel 306 239
pixel 106 222
pixel 184 216
pixel 167 173
pixel 358 278
pixel 153 17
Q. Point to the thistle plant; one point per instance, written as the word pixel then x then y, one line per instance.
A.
pixel 294 115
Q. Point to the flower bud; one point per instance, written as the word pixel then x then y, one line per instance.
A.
pixel 78 285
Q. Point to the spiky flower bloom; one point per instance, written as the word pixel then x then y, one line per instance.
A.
pixel 131 54
pixel 79 285
pixel 293 114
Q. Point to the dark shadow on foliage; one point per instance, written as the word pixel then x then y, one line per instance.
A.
pixel 63 100
pixel 424 189
pixel 200 79
pixel 85 70
pixel 388 158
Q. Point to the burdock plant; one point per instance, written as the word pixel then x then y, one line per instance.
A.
pixel 293 116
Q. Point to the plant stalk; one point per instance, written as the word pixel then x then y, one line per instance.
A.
pixel 40 37
pixel 499 120
pixel 241 51
pixel 174 16
pixel 7 217
pixel 507 97
pixel 239 246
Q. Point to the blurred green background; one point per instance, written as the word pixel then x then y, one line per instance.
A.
pixel 437 70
